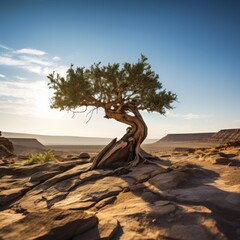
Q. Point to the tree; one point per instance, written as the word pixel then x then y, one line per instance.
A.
pixel 122 91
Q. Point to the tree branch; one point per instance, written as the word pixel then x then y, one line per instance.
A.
pixel 74 112
pixel 91 113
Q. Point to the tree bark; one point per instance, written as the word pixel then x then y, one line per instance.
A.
pixel 128 148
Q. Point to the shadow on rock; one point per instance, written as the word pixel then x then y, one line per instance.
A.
pixel 151 201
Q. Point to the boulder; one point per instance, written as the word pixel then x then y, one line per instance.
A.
pixel 84 155
pixel 7 144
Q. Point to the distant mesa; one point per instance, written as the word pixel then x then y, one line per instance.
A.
pixel 31 142
pixel 64 140
pixel 226 135
pixel 27 144
pixel 35 143
pixel 59 140
pixel 186 137
pixel 223 136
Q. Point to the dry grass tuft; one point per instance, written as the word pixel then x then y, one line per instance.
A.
pixel 40 158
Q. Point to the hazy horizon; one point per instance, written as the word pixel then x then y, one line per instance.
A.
pixel 192 45
pixel 65 140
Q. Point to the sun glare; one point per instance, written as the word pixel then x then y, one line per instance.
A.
pixel 42 102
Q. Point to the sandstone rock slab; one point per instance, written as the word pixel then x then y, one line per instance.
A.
pixel 52 224
pixel 105 229
pixel 190 232
pixel 166 181
pixel 6 196
pixel 9 217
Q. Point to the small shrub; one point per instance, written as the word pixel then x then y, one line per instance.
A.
pixel 41 158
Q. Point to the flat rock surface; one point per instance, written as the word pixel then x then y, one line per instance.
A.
pixel 186 196
pixel 49 224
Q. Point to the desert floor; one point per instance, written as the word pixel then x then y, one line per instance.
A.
pixel 185 194
pixel 151 148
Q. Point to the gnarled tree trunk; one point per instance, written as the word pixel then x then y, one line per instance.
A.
pixel 128 148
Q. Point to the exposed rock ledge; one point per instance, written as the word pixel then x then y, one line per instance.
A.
pixel 179 197
pixel 6 147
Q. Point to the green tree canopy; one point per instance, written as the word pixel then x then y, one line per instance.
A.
pixel 122 91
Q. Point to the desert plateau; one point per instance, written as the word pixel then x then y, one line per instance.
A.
pixel 188 193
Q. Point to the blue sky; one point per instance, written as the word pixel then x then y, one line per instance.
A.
pixel 192 45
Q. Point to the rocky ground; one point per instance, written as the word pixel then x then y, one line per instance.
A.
pixel 181 196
